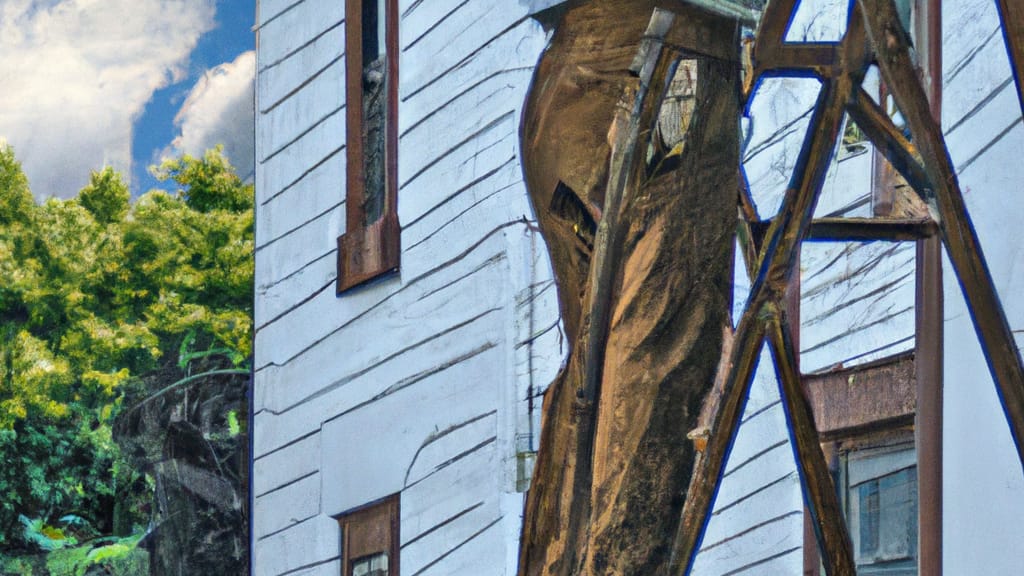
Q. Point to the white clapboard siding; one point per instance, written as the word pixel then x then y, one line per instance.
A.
pixel 287 506
pixel 421 383
pixel 857 302
pixel 286 465
pixel 983 488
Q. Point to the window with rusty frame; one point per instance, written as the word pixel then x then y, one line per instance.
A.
pixel 369 539
pixel 371 244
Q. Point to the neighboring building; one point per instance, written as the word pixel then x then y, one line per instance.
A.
pixel 407 320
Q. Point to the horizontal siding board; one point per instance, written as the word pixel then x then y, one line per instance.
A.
pixel 456 126
pixel 515 48
pixel 436 451
pixel 408 316
pixel 357 472
pixel 458 169
pixel 286 506
pixel 321 190
pixel 780 113
pixel 764 390
pixel 467 487
pixel 321 96
pixel 285 466
pixel 276 82
pixel 757 434
pixel 329 568
pixel 284 170
pixel 775 497
pixel 419 17
pixel 289 253
pixel 855 298
pixel 293 28
pixel 303 545
pixel 475 554
pixel 454 39
pixel 974 59
pixel 847 181
pixel 459 380
pixel 270 9
pixel 276 299
pixel 743 480
pixel 976 134
pixel 753 548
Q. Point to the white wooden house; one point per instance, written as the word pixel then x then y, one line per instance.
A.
pixel 405 336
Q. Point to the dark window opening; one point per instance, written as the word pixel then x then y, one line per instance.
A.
pixel 370 247
pixel 375 79
pixel 373 565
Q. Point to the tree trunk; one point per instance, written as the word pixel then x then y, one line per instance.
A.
pixel 612 472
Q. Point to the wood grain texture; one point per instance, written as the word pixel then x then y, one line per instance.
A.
pixel 611 475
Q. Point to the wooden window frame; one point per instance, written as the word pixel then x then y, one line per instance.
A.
pixel 367 251
pixel 371 529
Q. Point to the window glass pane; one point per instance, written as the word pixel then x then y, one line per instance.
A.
pixel 375 565
pixel 882 510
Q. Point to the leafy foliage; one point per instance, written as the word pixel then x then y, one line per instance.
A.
pixel 97 296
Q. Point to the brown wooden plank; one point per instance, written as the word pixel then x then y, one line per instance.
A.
pixel 928 353
pixel 888 139
pixel 850 400
pixel 649 65
pixel 870 229
pixel 724 423
pixel 816 57
pixel 775 267
pixel 862 229
pixel 779 258
pixel 929 328
pixel 819 489
pixel 1011 12
pixel 958 233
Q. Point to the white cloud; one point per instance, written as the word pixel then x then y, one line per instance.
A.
pixel 219 110
pixel 75 74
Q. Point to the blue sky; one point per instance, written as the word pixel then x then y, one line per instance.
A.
pixel 89 83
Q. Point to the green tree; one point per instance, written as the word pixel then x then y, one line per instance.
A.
pixel 99 298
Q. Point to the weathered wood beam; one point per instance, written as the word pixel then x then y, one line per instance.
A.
pixel 850 400
pixel 771 32
pixel 710 463
pixel 869 229
pixel 624 136
pixel 819 489
pixel 862 229
pixel 827 524
pixel 818 58
pixel 962 246
pixel 888 139
pixel 928 352
pixel 778 259
pixel 650 66
pixel 1011 12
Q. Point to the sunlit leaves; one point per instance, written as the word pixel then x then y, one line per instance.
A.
pixel 95 294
